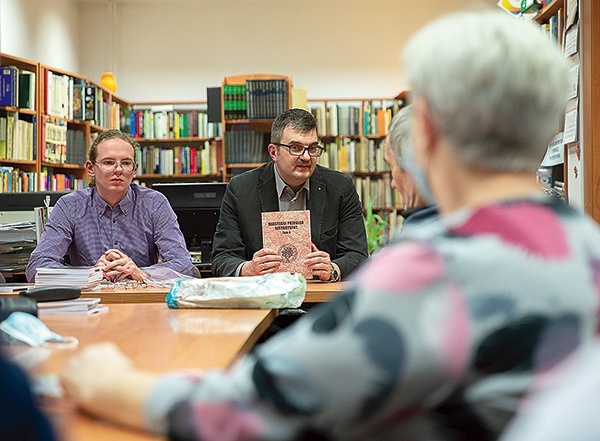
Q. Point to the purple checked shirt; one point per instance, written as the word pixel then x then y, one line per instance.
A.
pixel 143 226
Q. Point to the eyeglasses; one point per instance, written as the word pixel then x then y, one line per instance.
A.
pixel 297 149
pixel 110 164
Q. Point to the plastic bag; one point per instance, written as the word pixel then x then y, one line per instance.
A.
pixel 272 291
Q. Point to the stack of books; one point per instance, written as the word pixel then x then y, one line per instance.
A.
pixel 85 306
pixel 82 277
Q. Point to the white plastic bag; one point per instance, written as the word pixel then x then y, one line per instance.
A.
pixel 272 291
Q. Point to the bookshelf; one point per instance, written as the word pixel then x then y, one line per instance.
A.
pixel 177 143
pixel 353 132
pixel 52 127
pixel 18 124
pixel 551 18
pixel 249 105
pixel 589 30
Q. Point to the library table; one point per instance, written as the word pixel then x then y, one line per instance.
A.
pixel 155 338
pixel 316 292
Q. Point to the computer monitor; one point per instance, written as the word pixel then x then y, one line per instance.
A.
pixel 197 206
pixel 18 207
pixel 29 200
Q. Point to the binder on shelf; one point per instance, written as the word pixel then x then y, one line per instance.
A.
pixel 90 102
pixel 9 79
pixel 27 90
pixel 213 97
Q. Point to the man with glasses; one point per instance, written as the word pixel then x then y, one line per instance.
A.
pixel 291 181
pixel 131 230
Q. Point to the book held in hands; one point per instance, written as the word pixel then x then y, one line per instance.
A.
pixel 288 233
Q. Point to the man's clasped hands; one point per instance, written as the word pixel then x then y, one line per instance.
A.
pixel 118 266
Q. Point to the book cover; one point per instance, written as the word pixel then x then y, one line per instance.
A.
pixel 79 86
pixel 8 85
pixel 27 90
pixel 90 103
pixel 288 233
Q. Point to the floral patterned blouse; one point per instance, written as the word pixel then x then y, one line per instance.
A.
pixel 438 338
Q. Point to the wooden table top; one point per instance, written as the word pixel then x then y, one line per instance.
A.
pixel 316 292
pixel 155 338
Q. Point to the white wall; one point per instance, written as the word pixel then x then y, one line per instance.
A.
pixel 42 30
pixel 173 49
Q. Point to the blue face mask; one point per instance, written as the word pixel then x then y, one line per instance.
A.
pixel 418 174
pixel 30 330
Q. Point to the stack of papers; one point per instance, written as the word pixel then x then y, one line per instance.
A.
pixel 17 241
pixel 82 277
pixel 86 306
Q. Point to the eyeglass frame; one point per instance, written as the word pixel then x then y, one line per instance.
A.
pixel 116 164
pixel 305 149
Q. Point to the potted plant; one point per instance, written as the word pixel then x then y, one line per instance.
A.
pixel 376 228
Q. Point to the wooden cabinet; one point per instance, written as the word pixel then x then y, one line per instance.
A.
pixel 249 105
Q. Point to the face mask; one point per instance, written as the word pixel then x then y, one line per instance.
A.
pixel 29 329
pixel 418 174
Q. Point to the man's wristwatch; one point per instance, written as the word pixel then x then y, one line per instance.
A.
pixel 334 275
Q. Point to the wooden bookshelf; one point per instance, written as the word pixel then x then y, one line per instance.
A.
pixel 353 132
pixel 62 131
pixel 19 169
pixel 589 31
pixel 177 143
pixel 249 105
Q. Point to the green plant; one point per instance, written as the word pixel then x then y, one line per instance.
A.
pixel 376 227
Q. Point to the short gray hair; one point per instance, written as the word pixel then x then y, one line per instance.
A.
pixel 495 85
pixel 400 134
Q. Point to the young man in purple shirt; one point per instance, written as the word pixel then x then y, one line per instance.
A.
pixel 131 230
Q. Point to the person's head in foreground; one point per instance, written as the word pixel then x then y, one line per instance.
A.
pixel 436 338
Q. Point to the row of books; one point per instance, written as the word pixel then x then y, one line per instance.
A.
pixel 75 98
pixel 394 221
pixel 337 120
pixel 369 118
pixel 119 117
pixel 553 25
pixel 234 101
pixel 165 122
pixel 377 118
pixel 377 191
pixel 178 160
pixel 256 99
pixel 51 181
pixel 17 137
pixel 61 144
pixel 246 147
pixel 266 98
pixel 350 155
pixel 17 87
pixel 14 180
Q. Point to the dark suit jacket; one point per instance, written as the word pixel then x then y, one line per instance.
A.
pixel 336 220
